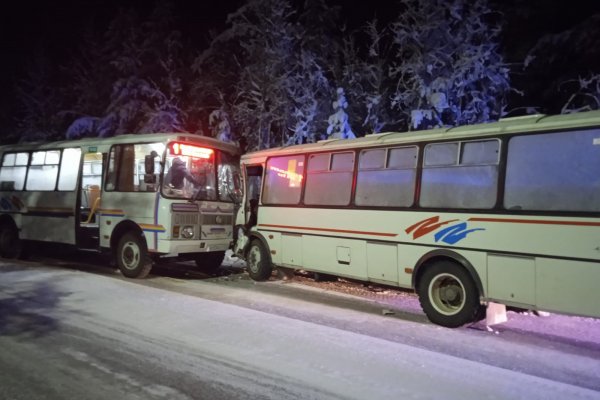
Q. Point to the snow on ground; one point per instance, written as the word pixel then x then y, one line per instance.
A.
pixel 575 328
pixel 296 358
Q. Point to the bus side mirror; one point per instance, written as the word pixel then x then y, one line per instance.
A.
pixel 149 178
pixel 149 163
pixel 235 192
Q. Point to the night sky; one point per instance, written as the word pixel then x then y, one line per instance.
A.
pixel 57 25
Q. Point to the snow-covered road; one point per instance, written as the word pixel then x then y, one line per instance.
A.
pixel 71 334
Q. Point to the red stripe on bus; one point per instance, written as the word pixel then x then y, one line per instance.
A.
pixel 329 230
pixel 534 221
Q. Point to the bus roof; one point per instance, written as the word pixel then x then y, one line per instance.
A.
pixel 130 138
pixel 505 126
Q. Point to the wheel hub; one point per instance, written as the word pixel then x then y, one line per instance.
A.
pixel 130 256
pixel 254 259
pixel 449 293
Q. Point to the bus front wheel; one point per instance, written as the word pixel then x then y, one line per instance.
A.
pixel 132 256
pixel 10 244
pixel 210 262
pixel 258 261
pixel 448 295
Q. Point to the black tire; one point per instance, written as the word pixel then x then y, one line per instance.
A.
pixel 10 244
pixel 258 261
pixel 132 256
pixel 448 295
pixel 210 262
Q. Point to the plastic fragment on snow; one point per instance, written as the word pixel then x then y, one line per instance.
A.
pixel 495 314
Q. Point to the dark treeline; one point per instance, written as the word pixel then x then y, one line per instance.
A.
pixel 284 72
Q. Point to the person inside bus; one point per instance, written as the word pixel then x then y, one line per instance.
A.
pixel 177 173
pixel 253 218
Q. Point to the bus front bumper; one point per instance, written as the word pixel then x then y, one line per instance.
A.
pixel 174 248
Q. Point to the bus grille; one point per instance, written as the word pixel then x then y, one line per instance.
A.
pixel 211 219
pixel 185 219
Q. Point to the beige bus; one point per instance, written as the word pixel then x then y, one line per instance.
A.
pixel 111 195
pixel 505 212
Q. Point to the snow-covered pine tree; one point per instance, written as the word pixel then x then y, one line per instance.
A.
pixel 139 61
pixel 561 70
pixel 262 69
pixel 307 87
pixel 365 78
pixel 38 115
pixel 164 59
pixel 144 97
pixel 262 103
pixel 322 30
pixel 219 125
pixel 255 51
pixel 313 69
pixel 584 94
pixel 95 71
pixel 350 74
pixel 212 81
pixel 447 66
pixel 89 86
pixel 339 127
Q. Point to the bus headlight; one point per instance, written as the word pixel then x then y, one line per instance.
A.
pixel 187 232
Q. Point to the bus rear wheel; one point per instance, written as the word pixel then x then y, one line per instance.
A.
pixel 10 244
pixel 448 295
pixel 132 256
pixel 210 262
pixel 258 261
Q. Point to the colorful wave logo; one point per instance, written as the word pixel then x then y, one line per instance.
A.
pixel 11 203
pixel 450 235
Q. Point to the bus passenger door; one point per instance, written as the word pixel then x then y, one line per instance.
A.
pixel 90 200
pixel 253 188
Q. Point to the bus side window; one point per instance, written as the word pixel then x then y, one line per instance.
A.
pixel 121 169
pixel 67 179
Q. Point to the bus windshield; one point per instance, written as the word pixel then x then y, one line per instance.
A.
pixel 191 173
pixel 230 186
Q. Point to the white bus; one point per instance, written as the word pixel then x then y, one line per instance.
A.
pixel 110 195
pixel 505 212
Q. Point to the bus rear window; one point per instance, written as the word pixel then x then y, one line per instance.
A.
pixel 553 171
pixel 13 171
